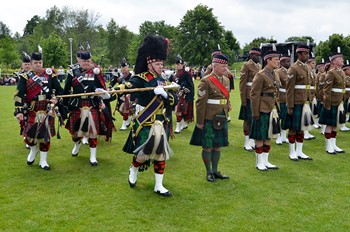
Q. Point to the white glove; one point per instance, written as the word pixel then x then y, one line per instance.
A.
pixel 105 94
pixel 160 91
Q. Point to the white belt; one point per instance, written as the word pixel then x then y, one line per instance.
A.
pixel 304 87
pixel 217 101
pixel 338 90
pixel 282 90
pixel 347 89
pixel 249 83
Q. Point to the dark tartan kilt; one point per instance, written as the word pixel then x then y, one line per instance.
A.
pixel 208 137
pixel 31 121
pixel 74 117
pixel 245 113
pixel 283 111
pixel 329 117
pixel 133 143
pixel 39 106
pixel 293 122
pixel 259 129
pixel 319 107
pixel 184 110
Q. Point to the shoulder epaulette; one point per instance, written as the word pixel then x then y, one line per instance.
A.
pixel 23 75
pixel 143 76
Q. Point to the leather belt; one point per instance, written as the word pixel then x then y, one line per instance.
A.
pixel 268 94
pixel 249 83
pixel 338 90
pixel 304 87
pixel 217 101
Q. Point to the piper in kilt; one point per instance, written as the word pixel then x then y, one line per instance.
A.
pixel 333 113
pixel 299 116
pixel 248 71
pixel 282 74
pixel 184 108
pixel 265 105
pixel 124 103
pixel 212 108
pixel 84 117
pixel 36 89
pixel 148 138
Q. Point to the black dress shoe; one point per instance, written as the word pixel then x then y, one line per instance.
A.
pixel 308 158
pixel 210 177
pixel 75 155
pixel 30 162
pixel 220 176
pixel 93 164
pixel 46 168
pixel 166 194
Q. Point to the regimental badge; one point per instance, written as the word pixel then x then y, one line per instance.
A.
pixel 290 76
pixel 201 93
pixel 48 71
pixel 128 84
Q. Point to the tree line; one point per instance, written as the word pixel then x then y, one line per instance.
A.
pixel 197 35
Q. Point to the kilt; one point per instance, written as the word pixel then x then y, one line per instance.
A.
pixel 208 137
pixel 293 122
pixel 283 111
pixel 259 129
pixel 245 113
pixel 329 117
pixel 184 110
pixel 31 116
pixel 74 119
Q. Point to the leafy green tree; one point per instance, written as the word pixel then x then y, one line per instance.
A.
pixel 326 48
pixel 31 24
pixel 199 34
pixel 233 45
pixel 300 39
pixel 55 51
pixel 8 52
pixel 256 43
pixel 4 30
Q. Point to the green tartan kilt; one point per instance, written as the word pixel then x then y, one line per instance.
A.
pixel 208 137
pixel 329 117
pixel 259 129
pixel 283 111
pixel 245 113
pixel 293 122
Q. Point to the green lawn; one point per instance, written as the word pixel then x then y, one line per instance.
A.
pixel 74 196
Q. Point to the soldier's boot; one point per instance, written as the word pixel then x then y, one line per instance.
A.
pixel 133 171
pixel 292 154
pixel 329 147
pixel 184 125
pixel 344 128
pixel 85 140
pixel 260 162
pixel 32 154
pixel 43 163
pixel 335 147
pixel 159 188
pixel 279 139
pixel 300 153
pixel 307 135
pixel 247 146
pixel 284 136
pixel 178 128
pixel 124 127
pixel 266 162
pixel 93 160
pixel 128 121
pixel 76 148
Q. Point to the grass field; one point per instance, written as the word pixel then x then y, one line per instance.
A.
pixel 74 196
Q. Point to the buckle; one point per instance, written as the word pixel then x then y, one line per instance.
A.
pixel 307 86
pixel 223 101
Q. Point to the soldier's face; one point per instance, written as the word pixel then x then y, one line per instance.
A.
pixel 179 66
pixel 338 62
pixel 347 71
pixel 303 56
pixel 37 65
pixel 125 69
pixel 86 64
pixel 274 62
pixel 321 68
pixel 255 57
pixel 220 69
pixel 285 63
pixel 26 66
pixel 156 67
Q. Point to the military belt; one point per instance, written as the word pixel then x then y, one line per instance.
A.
pixel 217 101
